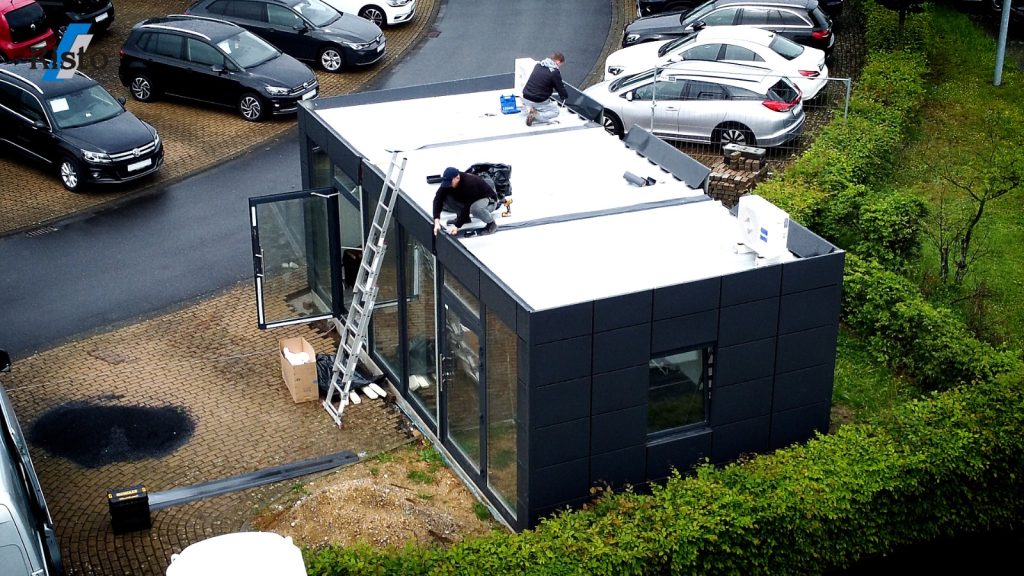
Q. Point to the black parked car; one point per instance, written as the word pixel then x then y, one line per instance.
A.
pixel 648 7
pixel 98 14
pixel 75 125
pixel 802 21
pixel 213 61
pixel 306 29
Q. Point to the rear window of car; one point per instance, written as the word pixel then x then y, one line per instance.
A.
pixel 783 91
pixel 820 19
pixel 20 22
pixel 785 47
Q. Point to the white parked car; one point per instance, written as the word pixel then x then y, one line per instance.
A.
pixel 380 12
pixel 708 102
pixel 804 65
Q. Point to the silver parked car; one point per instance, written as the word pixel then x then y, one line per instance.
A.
pixel 698 101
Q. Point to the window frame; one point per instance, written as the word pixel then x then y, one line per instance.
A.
pixel 707 354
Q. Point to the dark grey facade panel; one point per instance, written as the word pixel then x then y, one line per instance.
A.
pixel 561 402
pixel 748 321
pixel 683 299
pixel 372 183
pixel 798 424
pixel 622 311
pixel 803 387
pixel 684 332
pixel 558 323
pixel 814 272
pixel 560 443
pixel 743 362
pixel 619 468
pixel 756 284
pixel 498 301
pixel 619 389
pixel 414 222
pixel 806 244
pixel 807 348
pixel 547 511
pixel 458 263
pixel 740 401
pixel 562 360
pixel 559 484
pixel 731 440
pixel 622 348
pixel 680 453
pixel 618 430
pixel 809 309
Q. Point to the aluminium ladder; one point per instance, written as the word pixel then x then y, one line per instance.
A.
pixel 364 296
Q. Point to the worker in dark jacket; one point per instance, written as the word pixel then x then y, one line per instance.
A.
pixel 465 194
pixel 544 81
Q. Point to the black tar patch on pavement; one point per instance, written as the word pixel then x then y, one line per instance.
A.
pixel 94 435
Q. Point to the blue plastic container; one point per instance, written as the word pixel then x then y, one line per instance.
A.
pixel 508 105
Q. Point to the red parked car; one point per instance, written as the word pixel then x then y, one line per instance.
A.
pixel 24 32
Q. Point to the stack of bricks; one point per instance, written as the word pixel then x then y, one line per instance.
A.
pixel 735 176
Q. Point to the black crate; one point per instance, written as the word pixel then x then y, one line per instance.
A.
pixel 129 509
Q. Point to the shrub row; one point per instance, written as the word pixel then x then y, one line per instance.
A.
pixel 942 466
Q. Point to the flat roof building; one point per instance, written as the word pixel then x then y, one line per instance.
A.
pixel 607 333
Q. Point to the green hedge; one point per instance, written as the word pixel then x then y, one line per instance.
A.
pixel 945 465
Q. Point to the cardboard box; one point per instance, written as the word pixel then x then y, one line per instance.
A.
pixel 300 379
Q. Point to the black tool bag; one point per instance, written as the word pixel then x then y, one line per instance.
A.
pixel 499 176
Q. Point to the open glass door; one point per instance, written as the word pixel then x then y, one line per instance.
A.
pixel 295 247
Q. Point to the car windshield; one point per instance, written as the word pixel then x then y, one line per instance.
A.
pixel 631 80
pixel 673 46
pixel 317 12
pixel 696 14
pixel 87 106
pixel 785 47
pixel 247 49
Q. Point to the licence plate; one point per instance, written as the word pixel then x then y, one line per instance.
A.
pixel 381 47
pixel 140 164
pixel 309 95
pixel 101 17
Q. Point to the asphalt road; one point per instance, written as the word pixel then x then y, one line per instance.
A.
pixel 191 239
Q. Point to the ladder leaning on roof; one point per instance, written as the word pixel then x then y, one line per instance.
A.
pixel 364 295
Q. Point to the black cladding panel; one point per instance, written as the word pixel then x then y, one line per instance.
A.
pixel 743 362
pixel 561 402
pixel 622 311
pixel 458 263
pixel 816 272
pixel 741 401
pixel 680 453
pixel 799 424
pixel 684 331
pixel 683 299
pixel 498 301
pixel 619 468
pixel 748 321
pixel 559 484
pixel 561 360
pixel 617 430
pixel 619 389
pixel 803 387
pixel 745 436
pixel 622 348
pixel 810 309
pixel 756 284
pixel 542 326
pixel 560 443
pixel 807 348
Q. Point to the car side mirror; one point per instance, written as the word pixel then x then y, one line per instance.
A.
pixel 5 361
pixel 628 96
pixel 39 125
pixel 121 100
pixel 301 28
pixel 217 69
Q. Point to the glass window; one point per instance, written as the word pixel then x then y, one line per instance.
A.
pixel 459 290
pixel 420 309
pixel 785 47
pixel 30 108
pixel 385 311
pixel 705 52
pixel 317 12
pixel 788 18
pixel 502 374
pixel 734 53
pixel 754 16
pixel 246 10
pixel 723 17
pixel 700 90
pixel 320 176
pixel 281 16
pixel 201 53
pixel 9 95
pixel 665 89
pixel 219 7
pixel 678 390
pixel 248 50
pixel 344 182
pixel 167 45
pixel 86 106
pixel 462 385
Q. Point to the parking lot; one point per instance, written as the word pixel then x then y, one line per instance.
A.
pixel 195 136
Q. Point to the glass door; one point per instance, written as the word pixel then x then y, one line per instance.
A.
pixel 294 244
pixel 461 395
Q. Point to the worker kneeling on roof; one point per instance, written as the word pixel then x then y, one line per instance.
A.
pixel 466 195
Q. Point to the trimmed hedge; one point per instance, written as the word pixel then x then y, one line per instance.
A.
pixel 945 465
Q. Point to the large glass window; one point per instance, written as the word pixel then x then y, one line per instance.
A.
pixel 502 370
pixel 420 310
pixel 462 385
pixel 678 390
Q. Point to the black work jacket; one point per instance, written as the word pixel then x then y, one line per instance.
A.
pixel 543 83
pixel 470 189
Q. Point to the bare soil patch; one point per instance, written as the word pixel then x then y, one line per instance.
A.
pixel 405 496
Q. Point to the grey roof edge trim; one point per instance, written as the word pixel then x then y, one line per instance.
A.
pixel 449 88
pixel 802 242
pixel 668 157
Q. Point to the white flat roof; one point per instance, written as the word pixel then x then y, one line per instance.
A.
pixel 578 230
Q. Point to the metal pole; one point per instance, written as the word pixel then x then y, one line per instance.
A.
pixel 1004 23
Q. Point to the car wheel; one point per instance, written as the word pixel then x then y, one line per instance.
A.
pixel 142 88
pixel 734 134
pixel 373 14
pixel 251 107
pixel 71 174
pixel 331 59
pixel 612 124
